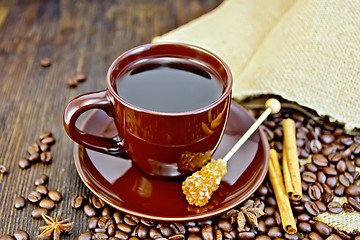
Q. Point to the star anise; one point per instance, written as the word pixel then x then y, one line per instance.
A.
pixel 249 212
pixel 54 228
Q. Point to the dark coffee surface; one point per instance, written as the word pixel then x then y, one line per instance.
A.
pixel 169 85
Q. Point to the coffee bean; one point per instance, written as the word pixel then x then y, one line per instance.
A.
pixel 311 167
pixel 55 195
pixel 45 62
pixel 44 135
pixel 270 222
pixel 80 77
pixel 46 157
pixel 298 208
pixel 21 235
pixel 352 191
pixel 246 235
pixel 311 208
pixel 308 177
pixel 303 217
pixel 117 217
pixel 47 204
pixel 33 148
pixel 354 203
pixel 154 233
pixel 44 147
pixel 19 202
pixel 332 181
pixel 314 236
pixel 97 202
pixel 269 211
pixel 72 82
pixel 24 163
pixel 327 197
pixel 347 207
pixel 321 206
pixel 341 166
pixel 111 230
pixel 314 192
pixel 334 207
pixel 193 237
pixel 275 232
pixel 85 236
pixel 141 232
pixel 77 201
pixel 346 140
pixel 327 138
pixel 124 227
pixel 330 171
pixel 106 211
pixel 262 190
pixel 207 232
pixel 342 235
pixel 339 190
pixel 131 220
pixel 315 146
pixel 333 237
pixel 34 157
pixel 37 212
pixel 350 166
pixel 225 225
pixel 178 228
pixel 48 140
pixel 42 189
pixel 34 197
pixel 97 236
pixel 304 186
pixel 262 237
pixel 7 237
pixel 322 228
pixel 320 160
pixel 89 210
pixel 304 227
pixel 92 223
pixel 41 179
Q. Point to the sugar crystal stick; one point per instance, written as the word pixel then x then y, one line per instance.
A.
pixel 290 152
pixel 276 179
pixel 200 186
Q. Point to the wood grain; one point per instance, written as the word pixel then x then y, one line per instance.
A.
pixel 78 36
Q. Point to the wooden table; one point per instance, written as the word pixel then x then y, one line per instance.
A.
pixel 78 36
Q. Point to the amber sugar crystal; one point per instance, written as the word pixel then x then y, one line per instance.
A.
pixel 199 187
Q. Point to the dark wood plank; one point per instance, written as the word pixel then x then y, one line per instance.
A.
pixel 78 36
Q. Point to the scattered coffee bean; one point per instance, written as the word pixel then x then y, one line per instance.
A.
pixel 19 202
pixel 37 212
pixel 46 204
pixel 46 157
pixel 80 77
pixel 42 189
pixel 33 148
pixel 304 227
pixel 320 160
pixel 34 197
pixel 85 236
pixel 55 195
pixel 347 207
pixel 334 207
pixel 72 82
pixel 308 177
pixel 3 169
pixel 7 237
pixel 77 201
pixel 48 140
pixel 354 203
pixel 89 210
pixel 41 179
pixel 21 235
pixel 34 157
pixel 45 62
pixel 24 163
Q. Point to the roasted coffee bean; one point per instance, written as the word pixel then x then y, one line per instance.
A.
pixel 33 148
pixel 47 204
pixel 45 62
pixel 261 226
pixel 85 236
pixel 97 202
pixel 304 186
pixel 164 229
pixel 117 217
pixel 262 237
pixel 44 147
pixel 321 177
pixel 347 207
pixel 330 171
pixel 350 166
pixel 298 208
pixel 270 222
pixel 34 157
pixel 89 210
pixel 342 235
pixel 354 203
pixel 341 166
pixel 246 235
pixel 278 146
pixel 304 217
pixel 131 220
pixel 319 160
pixel 327 197
pixel 72 82
pixel 305 198
pixel 92 223
pixel 321 206
pixel 41 179
pixel 46 157
pixel 34 197
pixel 275 232
pixel 346 153
pixel 322 228
pixel 44 135
pixel 100 230
pixel 194 229
pixel 304 227
pixel 77 201
pixel 326 151
pixel 55 196
pixel 357 161
pixel 194 237
pixel 311 208
pixel 106 211
pixel 277 218
pixel 262 190
pixel 300 143
pixel 334 157
pixel 303 153
pixel 37 212
pixel 97 236
pixel 346 140
pixel 24 163
pixel 315 146
pixel 352 191
pixel 308 177
pixel 334 207
pixel 230 235
pixel 207 232
pixel 154 233
pixel 314 236
pixel 311 167
pixel 21 235
pixel 7 237
pixel 19 202
pixel 48 140
pixel 327 138
pixel 141 232
pixel 124 227
pixel 333 237
pixel 332 181
pixel 43 190
pixel 314 192
pixel 80 77
pixel 225 225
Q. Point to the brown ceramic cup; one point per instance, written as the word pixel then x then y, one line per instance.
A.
pixel 155 141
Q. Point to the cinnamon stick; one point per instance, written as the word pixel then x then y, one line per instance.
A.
pixel 276 179
pixel 287 179
pixel 291 160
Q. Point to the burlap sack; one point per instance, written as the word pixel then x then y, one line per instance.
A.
pixel 306 51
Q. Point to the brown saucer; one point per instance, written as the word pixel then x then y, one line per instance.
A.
pixel 116 181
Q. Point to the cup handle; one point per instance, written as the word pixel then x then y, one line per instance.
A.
pixel 79 105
